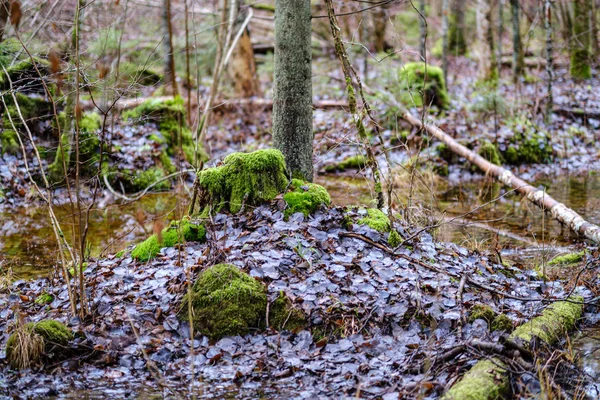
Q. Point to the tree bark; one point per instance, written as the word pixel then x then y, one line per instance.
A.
pixel 169 50
pixel 549 56
pixel 380 19
pixel 422 31
pixel 500 35
pixel 456 34
pixel 242 67
pixel 292 107
pixel 580 41
pixel 518 58
pixel 445 32
pixel 3 17
pixel 485 42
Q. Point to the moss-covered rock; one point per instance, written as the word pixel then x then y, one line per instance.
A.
pixel 170 116
pixel 495 321
pixel 22 73
pixel 423 84
pixel 502 323
pixel 305 197
pixel 177 232
pixel 242 179
pixel 226 302
pixel 151 176
pixel 9 142
pixel 27 345
pixel 529 144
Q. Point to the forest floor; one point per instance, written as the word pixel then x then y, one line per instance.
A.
pixel 382 322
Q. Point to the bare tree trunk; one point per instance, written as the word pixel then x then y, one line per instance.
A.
pixel 242 68
pixel 500 35
pixel 380 19
pixel 445 26
pixel 292 107
pixel 580 41
pixel 3 17
pixel 518 59
pixel 422 31
pixel 594 30
pixel 169 50
pixel 485 42
pixel 456 30
pixel 549 60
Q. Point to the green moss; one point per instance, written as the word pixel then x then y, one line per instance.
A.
pixel 529 144
pixel 487 380
pixel 566 259
pixel 488 151
pixel 9 141
pixel 305 197
pixel 481 311
pixel 44 298
pixel 90 122
pixel 502 323
pixel 377 220
pixel 226 302
pixel 423 84
pixel 177 232
pixel 53 332
pixel 283 315
pixel 243 178
pixel 143 179
pixel 166 163
pixel 580 64
pixel 353 162
pixel 170 116
pixel 555 321
pixel 394 239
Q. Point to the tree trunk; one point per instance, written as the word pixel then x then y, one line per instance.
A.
pixel 169 79
pixel 456 30
pixel 580 41
pixel 485 42
pixel 549 56
pixel 445 26
pixel 594 29
pixel 422 31
pixel 500 35
pixel 518 59
pixel 242 67
pixel 292 107
pixel 3 17
pixel 380 19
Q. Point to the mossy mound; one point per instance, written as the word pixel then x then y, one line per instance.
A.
pixel 226 302
pixel 35 112
pixel 28 344
pixel 377 220
pixel 353 162
pixel 529 144
pixel 170 116
pixel 9 142
pixel 177 232
pixel 489 151
pixel 229 302
pixel 305 197
pixel 423 84
pixel 22 73
pixel 242 179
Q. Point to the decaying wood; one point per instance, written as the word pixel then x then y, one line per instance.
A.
pixel 540 198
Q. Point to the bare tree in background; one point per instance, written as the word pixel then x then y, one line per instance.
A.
pixel 169 49
pixel 242 67
pixel 485 42
pixel 3 17
pixel 518 59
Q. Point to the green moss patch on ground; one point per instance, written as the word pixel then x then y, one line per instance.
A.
pixel 27 345
pixel 353 162
pixel 568 259
pixel 423 84
pixel 177 232
pixel 284 316
pixel 495 321
pixel 305 197
pixel 242 179
pixel 379 221
pixel 529 143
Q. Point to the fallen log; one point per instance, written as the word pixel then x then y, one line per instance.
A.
pixel 488 379
pixel 540 198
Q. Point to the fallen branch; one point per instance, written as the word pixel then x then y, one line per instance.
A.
pixel 488 379
pixel 540 198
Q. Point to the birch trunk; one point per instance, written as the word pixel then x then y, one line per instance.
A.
pixel 292 107
pixel 540 198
